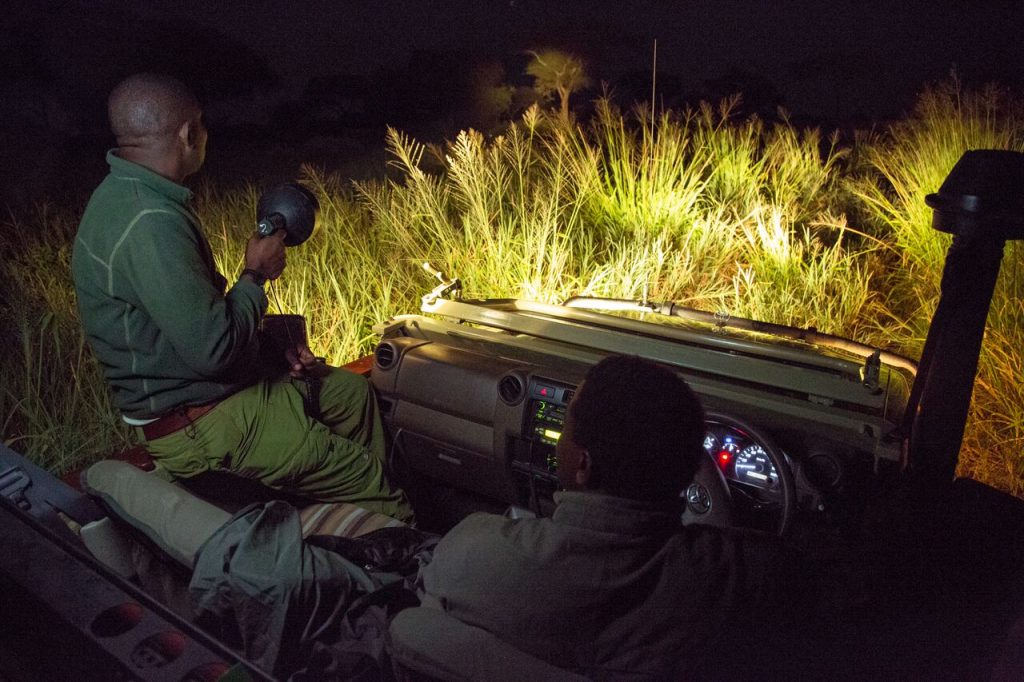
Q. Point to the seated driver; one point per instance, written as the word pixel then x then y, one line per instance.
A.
pixel 611 584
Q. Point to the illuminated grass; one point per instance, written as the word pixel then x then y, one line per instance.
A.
pixel 994 443
pixel 738 216
pixel 53 403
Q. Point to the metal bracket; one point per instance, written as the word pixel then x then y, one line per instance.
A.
pixel 13 484
pixel 443 289
pixel 871 371
pixel 722 318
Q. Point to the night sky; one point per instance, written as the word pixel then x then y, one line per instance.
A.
pixel 258 65
pixel 835 59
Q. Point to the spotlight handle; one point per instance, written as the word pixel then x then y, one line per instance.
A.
pixel 270 224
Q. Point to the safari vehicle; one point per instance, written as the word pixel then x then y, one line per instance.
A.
pixel 847 451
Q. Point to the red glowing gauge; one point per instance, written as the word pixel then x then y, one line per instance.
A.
pixel 724 450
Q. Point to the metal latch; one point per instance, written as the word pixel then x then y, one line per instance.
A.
pixel 446 286
pixel 871 371
pixel 13 484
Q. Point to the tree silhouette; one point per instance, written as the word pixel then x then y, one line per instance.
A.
pixel 490 98
pixel 557 73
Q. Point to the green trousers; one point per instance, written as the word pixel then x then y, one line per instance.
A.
pixel 263 433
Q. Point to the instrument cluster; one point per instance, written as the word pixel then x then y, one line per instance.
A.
pixel 741 458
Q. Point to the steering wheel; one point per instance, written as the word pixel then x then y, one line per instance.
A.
pixel 709 499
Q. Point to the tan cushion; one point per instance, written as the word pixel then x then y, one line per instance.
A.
pixel 429 641
pixel 111 546
pixel 177 521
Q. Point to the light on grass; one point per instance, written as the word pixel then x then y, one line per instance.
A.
pixel 769 237
pixel 700 207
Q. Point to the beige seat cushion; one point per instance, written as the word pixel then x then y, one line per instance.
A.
pixel 174 519
pixel 179 522
pixel 430 642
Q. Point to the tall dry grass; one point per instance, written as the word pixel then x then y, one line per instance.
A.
pixel 53 403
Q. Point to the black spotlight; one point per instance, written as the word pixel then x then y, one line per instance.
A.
pixel 289 207
pixel 982 197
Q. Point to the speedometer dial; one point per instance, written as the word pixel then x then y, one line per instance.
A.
pixel 754 467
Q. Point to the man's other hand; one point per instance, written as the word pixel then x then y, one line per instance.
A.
pixel 302 362
pixel 266 254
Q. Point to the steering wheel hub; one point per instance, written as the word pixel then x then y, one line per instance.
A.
pixel 698 499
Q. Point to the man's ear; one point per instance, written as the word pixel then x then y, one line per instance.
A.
pixel 187 134
pixel 584 470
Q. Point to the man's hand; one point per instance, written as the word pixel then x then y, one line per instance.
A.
pixel 302 362
pixel 266 254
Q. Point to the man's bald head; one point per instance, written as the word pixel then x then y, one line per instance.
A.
pixel 148 108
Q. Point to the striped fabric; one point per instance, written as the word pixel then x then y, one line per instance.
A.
pixel 342 519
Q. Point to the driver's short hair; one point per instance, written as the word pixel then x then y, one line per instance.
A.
pixel 149 105
pixel 642 426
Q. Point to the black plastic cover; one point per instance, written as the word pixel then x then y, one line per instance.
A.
pixel 297 208
pixel 983 196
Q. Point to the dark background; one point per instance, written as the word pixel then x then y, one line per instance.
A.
pixel 288 82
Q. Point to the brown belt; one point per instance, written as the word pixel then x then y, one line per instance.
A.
pixel 175 421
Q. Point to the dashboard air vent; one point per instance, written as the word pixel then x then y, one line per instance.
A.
pixel 385 355
pixel 511 389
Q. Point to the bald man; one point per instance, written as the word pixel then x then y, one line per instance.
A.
pixel 180 350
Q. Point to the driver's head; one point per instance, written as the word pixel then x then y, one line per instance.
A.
pixel 634 429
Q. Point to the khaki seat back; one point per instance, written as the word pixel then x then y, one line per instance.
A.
pixel 179 522
pixel 172 518
pixel 425 641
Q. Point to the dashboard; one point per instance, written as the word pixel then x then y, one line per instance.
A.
pixel 493 428
pixel 476 401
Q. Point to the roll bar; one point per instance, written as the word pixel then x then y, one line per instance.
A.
pixel 981 203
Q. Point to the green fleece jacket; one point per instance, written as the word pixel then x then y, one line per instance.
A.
pixel 152 302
